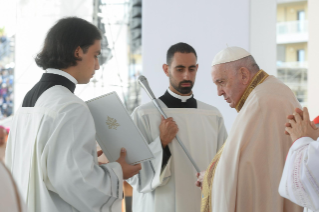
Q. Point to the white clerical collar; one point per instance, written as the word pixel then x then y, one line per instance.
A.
pixel 182 98
pixel 62 73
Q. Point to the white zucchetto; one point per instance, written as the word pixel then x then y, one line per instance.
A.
pixel 230 54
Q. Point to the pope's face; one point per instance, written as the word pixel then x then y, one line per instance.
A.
pixel 89 63
pixel 182 72
pixel 228 84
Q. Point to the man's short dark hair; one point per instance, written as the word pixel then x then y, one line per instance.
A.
pixel 179 47
pixel 63 39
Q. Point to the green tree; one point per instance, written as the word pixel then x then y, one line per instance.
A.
pixel 2 30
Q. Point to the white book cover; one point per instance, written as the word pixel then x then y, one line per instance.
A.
pixel 116 129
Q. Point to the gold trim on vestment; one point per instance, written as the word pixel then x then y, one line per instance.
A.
pixel 207 185
pixel 258 79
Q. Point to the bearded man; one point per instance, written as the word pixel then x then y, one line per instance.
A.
pixel 167 182
pixel 244 175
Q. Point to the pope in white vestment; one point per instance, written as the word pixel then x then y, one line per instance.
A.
pixel 51 152
pixel 172 188
pixel 244 175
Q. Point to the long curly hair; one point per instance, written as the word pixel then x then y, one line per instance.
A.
pixel 63 39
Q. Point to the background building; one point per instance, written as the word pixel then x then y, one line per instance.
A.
pixel 292 46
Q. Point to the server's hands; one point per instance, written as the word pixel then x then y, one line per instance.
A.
pixel 168 130
pixel 128 170
pixel 99 153
pixel 200 178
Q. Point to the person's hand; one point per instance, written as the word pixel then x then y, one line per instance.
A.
pixel 200 178
pixel 168 130
pixel 292 117
pixel 99 153
pixel 301 126
pixel 128 170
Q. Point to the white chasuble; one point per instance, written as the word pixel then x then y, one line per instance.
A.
pixel 300 179
pixel 172 188
pixel 249 169
pixel 10 199
pixel 51 153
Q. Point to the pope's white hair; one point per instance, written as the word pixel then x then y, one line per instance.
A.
pixel 247 62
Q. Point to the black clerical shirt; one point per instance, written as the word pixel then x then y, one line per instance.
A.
pixel 47 81
pixel 173 102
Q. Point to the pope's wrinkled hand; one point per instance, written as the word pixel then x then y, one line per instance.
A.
pixel 128 170
pixel 200 178
pixel 168 130
pixel 301 126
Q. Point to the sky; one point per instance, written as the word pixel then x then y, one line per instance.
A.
pixel 8 16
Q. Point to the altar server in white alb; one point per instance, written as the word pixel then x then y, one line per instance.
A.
pixel 51 150
pixel 300 179
pixel 168 182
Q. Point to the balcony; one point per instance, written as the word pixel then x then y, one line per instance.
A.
pixel 292 32
pixel 292 65
pixel 295 76
pixel 289 1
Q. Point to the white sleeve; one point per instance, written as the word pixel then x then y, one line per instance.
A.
pixel 300 178
pixel 151 176
pixel 69 163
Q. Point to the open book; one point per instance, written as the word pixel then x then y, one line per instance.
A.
pixel 115 129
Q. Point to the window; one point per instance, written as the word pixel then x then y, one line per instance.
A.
pixel 301 55
pixel 301 17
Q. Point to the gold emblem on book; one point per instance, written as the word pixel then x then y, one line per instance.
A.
pixel 112 123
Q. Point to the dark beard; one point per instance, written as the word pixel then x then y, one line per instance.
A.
pixel 183 90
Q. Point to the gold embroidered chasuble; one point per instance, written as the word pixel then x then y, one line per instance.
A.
pixel 244 175
pixel 210 172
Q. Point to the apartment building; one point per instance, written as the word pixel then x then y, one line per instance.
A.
pixel 292 46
